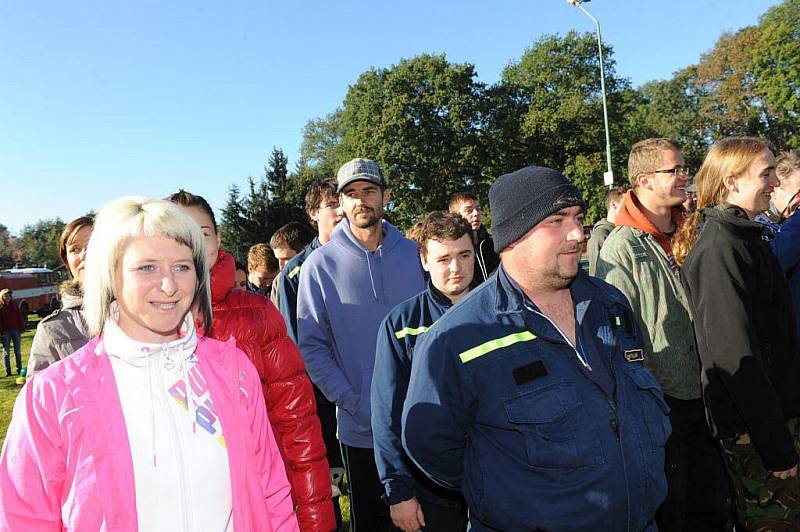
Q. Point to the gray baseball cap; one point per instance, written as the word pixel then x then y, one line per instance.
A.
pixel 359 170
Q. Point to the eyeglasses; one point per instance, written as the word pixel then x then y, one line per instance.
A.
pixel 678 170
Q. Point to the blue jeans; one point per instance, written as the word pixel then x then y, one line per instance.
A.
pixel 8 337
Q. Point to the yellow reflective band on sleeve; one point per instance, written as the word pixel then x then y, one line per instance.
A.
pixel 294 272
pixel 410 331
pixel 499 343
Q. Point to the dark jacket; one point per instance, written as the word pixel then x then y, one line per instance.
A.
pixel 746 335
pixel 500 406
pixel 486 259
pixel 61 333
pixel 11 318
pixel 397 337
pixel 288 284
pixel 784 239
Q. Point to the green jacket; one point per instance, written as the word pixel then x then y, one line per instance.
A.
pixel 637 265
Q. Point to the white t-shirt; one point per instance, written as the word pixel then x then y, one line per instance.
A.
pixel 180 462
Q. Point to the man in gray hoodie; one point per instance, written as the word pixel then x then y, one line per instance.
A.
pixel 346 289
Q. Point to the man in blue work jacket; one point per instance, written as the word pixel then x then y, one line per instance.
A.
pixel 530 395
pixel 448 255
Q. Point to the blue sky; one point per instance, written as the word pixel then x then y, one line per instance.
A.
pixel 104 99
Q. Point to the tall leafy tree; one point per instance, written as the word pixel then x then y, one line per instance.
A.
pixel 420 119
pixel 38 243
pixel 8 245
pixel 553 115
pixel 776 70
pixel 671 108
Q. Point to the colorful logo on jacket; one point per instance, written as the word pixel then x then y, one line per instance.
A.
pixel 202 405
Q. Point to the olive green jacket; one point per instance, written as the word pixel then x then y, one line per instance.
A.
pixel 635 263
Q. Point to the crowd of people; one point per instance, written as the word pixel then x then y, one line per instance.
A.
pixel 460 379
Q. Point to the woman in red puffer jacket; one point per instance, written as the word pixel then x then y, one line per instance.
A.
pixel 260 332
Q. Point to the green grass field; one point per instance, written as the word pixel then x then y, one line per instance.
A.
pixel 8 385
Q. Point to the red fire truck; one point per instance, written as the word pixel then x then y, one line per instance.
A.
pixel 34 289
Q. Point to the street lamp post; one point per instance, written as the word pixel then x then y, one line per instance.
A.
pixel 608 177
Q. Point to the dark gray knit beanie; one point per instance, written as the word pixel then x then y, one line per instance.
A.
pixel 522 199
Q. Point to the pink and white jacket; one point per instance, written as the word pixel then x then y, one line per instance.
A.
pixel 66 462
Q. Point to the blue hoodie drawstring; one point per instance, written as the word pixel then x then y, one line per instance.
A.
pixel 371 279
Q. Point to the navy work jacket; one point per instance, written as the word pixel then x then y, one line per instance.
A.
pixel 397 336
pixel 503 407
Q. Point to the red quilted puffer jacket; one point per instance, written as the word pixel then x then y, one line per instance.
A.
pixel 260 332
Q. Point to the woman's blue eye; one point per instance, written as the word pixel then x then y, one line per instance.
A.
pixel 147 268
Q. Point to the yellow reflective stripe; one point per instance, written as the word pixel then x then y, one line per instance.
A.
pixel 402 333
pixel 499 343
pixel 294 272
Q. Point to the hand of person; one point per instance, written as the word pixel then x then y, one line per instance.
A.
pixel 783 475
pixel 407 515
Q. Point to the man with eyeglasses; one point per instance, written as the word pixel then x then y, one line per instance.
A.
pixel 637 258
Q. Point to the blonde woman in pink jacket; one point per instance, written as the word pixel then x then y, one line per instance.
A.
pixel 150 426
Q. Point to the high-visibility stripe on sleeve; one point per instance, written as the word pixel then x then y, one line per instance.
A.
pixel 410 331
pixel 294 272
pixel 498 343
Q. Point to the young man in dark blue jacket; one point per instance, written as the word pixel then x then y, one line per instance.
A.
pixel 784 223
pixel 530 395
pixel 347 287
pixel 448 255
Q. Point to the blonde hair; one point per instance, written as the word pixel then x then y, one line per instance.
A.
pixel 129 217
pixel 728 157
pixel 645 156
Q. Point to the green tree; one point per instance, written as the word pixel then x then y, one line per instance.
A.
pixel 420 120
pixel 320 150
pixel 671 108
pixel 38 243
pixel 553 116
pixel 8 245
pixel 276 174
pixel 776 70
pixel 232 232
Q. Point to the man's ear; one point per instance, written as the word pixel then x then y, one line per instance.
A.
pixel 219 239
pixel 423 262
pixel 386 197
pixel 731 183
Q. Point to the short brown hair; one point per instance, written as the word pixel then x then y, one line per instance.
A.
pixel 261 256
pixel 318 192
pixel 460 197
pixel 293 235
pixel 787 163
pixel 69 233
pixel 613 195
pixel 645 155
pixel 439 226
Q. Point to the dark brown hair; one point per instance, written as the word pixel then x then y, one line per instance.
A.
pixel 187 199
pixel 293 235
pixel 439 226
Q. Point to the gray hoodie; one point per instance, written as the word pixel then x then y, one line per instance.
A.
pixel 61 333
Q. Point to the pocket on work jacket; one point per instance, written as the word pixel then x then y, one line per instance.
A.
pixel 558 434
pixel 654 408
